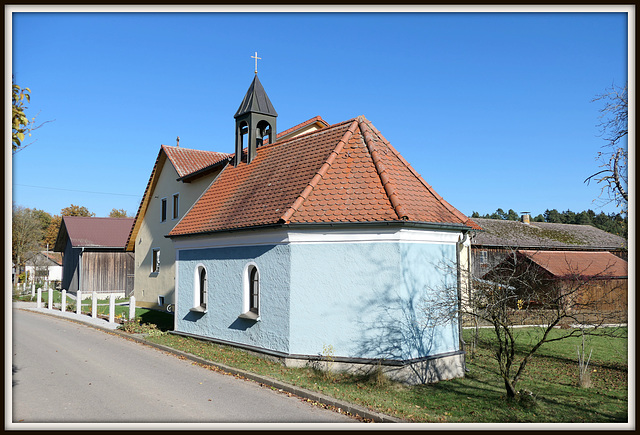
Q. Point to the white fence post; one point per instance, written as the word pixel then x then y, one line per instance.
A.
pixel 50 302
pixel 132 307
pixel 79 302
pixel 112 307
pixel 39 300
pixel 64 301
pixel 94 305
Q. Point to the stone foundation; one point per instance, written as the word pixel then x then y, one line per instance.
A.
pixel 422 371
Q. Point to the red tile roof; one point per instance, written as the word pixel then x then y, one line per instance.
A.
pixel 317 119
pixel 346 172
pixel 94 232
pixel 586 264
pixel 187 161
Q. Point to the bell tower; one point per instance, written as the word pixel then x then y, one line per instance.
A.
pixel 255 120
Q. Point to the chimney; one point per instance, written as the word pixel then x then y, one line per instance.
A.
pixel 526 219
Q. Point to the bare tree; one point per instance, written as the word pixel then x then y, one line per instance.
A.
pixel 614 159
pixel 520 292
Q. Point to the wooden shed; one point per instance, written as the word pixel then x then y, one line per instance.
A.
pixel 93 254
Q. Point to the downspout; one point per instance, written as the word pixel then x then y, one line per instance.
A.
pixel 459 248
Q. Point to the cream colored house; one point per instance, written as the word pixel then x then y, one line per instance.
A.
pixel 179 177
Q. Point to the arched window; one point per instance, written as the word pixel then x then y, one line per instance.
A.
pixel 203 287
pixel 263 133
pixel 200 290
pixel 251 292
pixel 254 289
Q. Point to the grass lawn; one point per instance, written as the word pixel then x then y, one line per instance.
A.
pixel 552 377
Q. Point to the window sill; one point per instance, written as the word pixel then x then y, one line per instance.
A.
pixel 153 274
pixel 199 309
pixel 249 315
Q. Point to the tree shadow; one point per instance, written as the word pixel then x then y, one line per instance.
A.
pixel 408 322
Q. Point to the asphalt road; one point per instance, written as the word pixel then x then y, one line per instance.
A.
pixel 64 372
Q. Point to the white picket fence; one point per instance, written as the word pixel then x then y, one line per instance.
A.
pixel 94 303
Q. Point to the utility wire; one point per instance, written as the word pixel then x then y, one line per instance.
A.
pixel 73 190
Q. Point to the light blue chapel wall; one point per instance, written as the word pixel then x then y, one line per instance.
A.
pixel 368 300
pixel 225 268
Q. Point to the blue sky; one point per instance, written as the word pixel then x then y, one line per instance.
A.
pixel 493 109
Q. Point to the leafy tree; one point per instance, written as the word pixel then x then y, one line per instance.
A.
pixel 118 213
pixel 21 126
pixel 512 215
pixel 614 159
pixel 553 216
pixel 51 233
pixel 76 210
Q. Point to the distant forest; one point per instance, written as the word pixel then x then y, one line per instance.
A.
pixel 613 223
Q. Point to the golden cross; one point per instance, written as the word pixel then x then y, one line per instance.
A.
pixel 256 58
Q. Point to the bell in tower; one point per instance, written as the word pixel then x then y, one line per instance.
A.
pixel 255 121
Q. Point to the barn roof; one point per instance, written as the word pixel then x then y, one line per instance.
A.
pixel 93 232
pixel 344 173
pixel 564 264
pixel 543 235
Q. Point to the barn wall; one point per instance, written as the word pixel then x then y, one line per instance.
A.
pixel 106 272
pixel 70 261
pixel 605 294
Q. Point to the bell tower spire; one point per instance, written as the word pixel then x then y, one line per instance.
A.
pixel 255 119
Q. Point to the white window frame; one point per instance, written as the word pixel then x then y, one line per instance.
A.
pixel 155 265
pixel 198 306
pixel 246 293
pixel 163 209
pixel 175 211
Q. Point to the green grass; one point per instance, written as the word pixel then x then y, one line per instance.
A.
pixel 551 376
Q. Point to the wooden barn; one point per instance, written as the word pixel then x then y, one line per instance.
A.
pixel 501 238
pixel 581 281
pixel 93 254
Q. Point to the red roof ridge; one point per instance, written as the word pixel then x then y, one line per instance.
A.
pixel 280 142
pixel 286 217
pixel 389 187
pixel 415 173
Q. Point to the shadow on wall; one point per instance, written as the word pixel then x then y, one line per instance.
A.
pixel 414 320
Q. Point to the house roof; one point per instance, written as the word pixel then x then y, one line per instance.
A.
pixel 344 173
pixel 315 121
pixel 505 233
pixel 188 163
pixel 563 264
pixel 93 232
pixel 50 256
